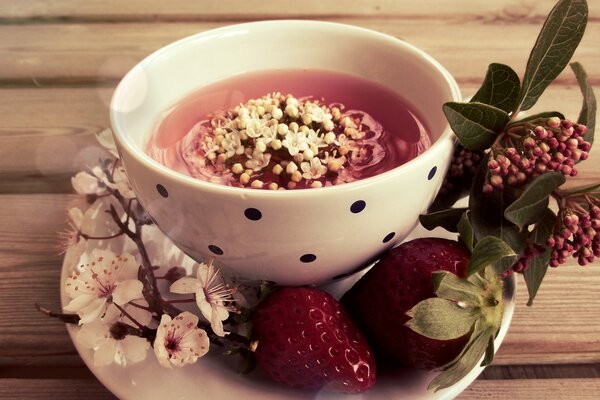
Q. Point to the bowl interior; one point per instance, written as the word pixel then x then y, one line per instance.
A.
pixel 168 75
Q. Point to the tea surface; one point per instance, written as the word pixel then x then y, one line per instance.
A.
pixel 347 127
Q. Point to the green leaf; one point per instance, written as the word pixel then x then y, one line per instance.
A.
pixel 553 49
pixel 465 230
pixel 541 116
pixel 544 227
pixel 530 206
pixel 587 116
pixel 489 251
pixel 489 353
pixel 500 88
pixel 440 319
pixel 451 287
pixel 464 364
pixel 475 124
pixel 580 190
pixel 535 272
pixel 447 219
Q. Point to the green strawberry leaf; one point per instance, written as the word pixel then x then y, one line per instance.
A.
pixel 587 116
pixel 475 124
pixel 539 116
pixel 553 49
pixel 489 353
pixel 447 219
pixel 532 203
pixel 535 272
pixel 441 319
pixel 465 230
pixel 500 88
pixel 489 251
pixel 465 362
pixel 450 287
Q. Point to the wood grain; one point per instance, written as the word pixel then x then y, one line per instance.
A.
pixel 68 389
pixel 524 389
pixel 182 10
pixel 100 52
pixel 527 389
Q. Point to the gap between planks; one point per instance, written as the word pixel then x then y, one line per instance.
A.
pixel 42 11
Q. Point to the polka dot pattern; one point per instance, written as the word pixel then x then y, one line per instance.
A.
pixel 253 214
pixel 358 206
pixel 162 190
pixel 389 237
pixel 308 258
pixel 432 173
pixel 215 249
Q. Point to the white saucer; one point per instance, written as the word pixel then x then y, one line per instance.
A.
pixel 216 377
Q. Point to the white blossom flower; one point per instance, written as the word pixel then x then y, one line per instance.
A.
pixel 269 133
pixel 253 127
pixel 92 182
pixel 121 183
pixel 97 336
pixel 258 160
pixel 295 142
pixel 105 138
pixel 104 279
pixel 213 295
pixel 317 114
pixel 316 139
pixel 313 170
pixel 179 341
pixel 232 144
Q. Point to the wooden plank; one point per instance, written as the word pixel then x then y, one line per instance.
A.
pixel 556 389
pixel 100 52
pixel 525 389
pixel 30 269
pixel 64 389
pixel 62 121
pixel 40 10
pixel 561 328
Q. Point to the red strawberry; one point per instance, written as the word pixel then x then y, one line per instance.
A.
pixel 400 280
pixel 306 340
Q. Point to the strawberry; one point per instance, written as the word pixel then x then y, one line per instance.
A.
pixel 396 306
pixel 306 340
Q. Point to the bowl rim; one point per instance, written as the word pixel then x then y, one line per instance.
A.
pixel 170 175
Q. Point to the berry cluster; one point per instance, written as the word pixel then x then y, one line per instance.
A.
pixel 575 234
pixel 529 149
pixel 531 251
pixel 464 164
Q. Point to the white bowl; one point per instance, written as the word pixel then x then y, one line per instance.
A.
pixel 302 236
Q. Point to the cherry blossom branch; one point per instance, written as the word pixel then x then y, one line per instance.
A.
pixel 66 318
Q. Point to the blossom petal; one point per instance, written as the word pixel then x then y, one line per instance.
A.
pixel 204 305
pixel 107 141
pixel 85 183
pixel 134 349
pixel 91 335
pixel 92 311
pixel 216 323
pixel 161 352
pixel 79 302
pixel 105 353
pixel 186 285
pixel 126 291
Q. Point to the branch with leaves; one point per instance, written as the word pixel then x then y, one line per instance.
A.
pixel 513 166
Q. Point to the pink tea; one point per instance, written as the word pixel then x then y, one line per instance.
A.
pixel 288 129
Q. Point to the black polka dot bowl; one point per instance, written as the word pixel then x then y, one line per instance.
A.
pixel 290 237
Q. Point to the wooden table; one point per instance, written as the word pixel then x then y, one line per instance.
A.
pixel 60 61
